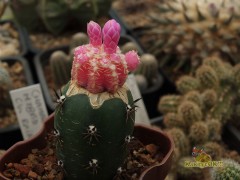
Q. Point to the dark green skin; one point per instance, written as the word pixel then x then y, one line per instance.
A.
pixel 72 119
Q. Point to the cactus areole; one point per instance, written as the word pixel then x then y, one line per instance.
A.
pixel 95 114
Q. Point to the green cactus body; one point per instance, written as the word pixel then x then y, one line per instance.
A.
pixel 78 146
pixel 26 14
pixel 230 170
pixel 60 68
pixel 54 15
pixel 187 83
pixel 169 103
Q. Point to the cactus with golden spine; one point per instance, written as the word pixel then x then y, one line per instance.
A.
pixel 180 140
pixel 169 103
pixel 187 83
pixel 190 30
pixel 209 98
pixel 190 112
pixel 171 120
pixel 194 96
pixel 198 132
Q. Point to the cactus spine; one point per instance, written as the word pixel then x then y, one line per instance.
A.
pixel 95 116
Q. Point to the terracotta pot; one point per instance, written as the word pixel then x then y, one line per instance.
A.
pixel 145 134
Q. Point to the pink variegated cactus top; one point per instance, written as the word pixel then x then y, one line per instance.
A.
pixel 100 66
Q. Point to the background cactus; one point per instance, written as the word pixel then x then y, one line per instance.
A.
pixel 55 16
pixel 204 105
pixel 148 67
pixel 61 63
pixel 191 30
pixel 229 170
pixel 91 144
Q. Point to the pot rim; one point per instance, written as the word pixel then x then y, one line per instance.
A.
pixel 47 123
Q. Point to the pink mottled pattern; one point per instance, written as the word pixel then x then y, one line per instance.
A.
pixel 111 35
pixel 94 33
pixel 102 67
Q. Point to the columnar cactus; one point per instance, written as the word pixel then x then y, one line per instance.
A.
pixel 148 67
pixel 229 170
pixel 61 62
pixel 60 68
pixel 94 119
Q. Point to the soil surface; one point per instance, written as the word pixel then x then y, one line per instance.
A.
pixel 16 72
pixel 42 164
pixel 9 40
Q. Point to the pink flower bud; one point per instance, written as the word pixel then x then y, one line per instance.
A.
pixel 94 33
pixel 111 35
pixel 132 60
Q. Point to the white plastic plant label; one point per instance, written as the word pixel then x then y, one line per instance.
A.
pixel 141 113
pixel 30 108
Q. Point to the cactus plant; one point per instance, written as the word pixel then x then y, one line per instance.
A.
pixel 169 103
pixel 55 16
pixel 229 170
pixel 129 46
pixel 95 115
pixel 186 172
pixel 60 68
pixel 204 105
pixel 190 112
pixel 191 30
pixel 148 67
pixel 198 132
pixel 60 62
pixel 187 83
